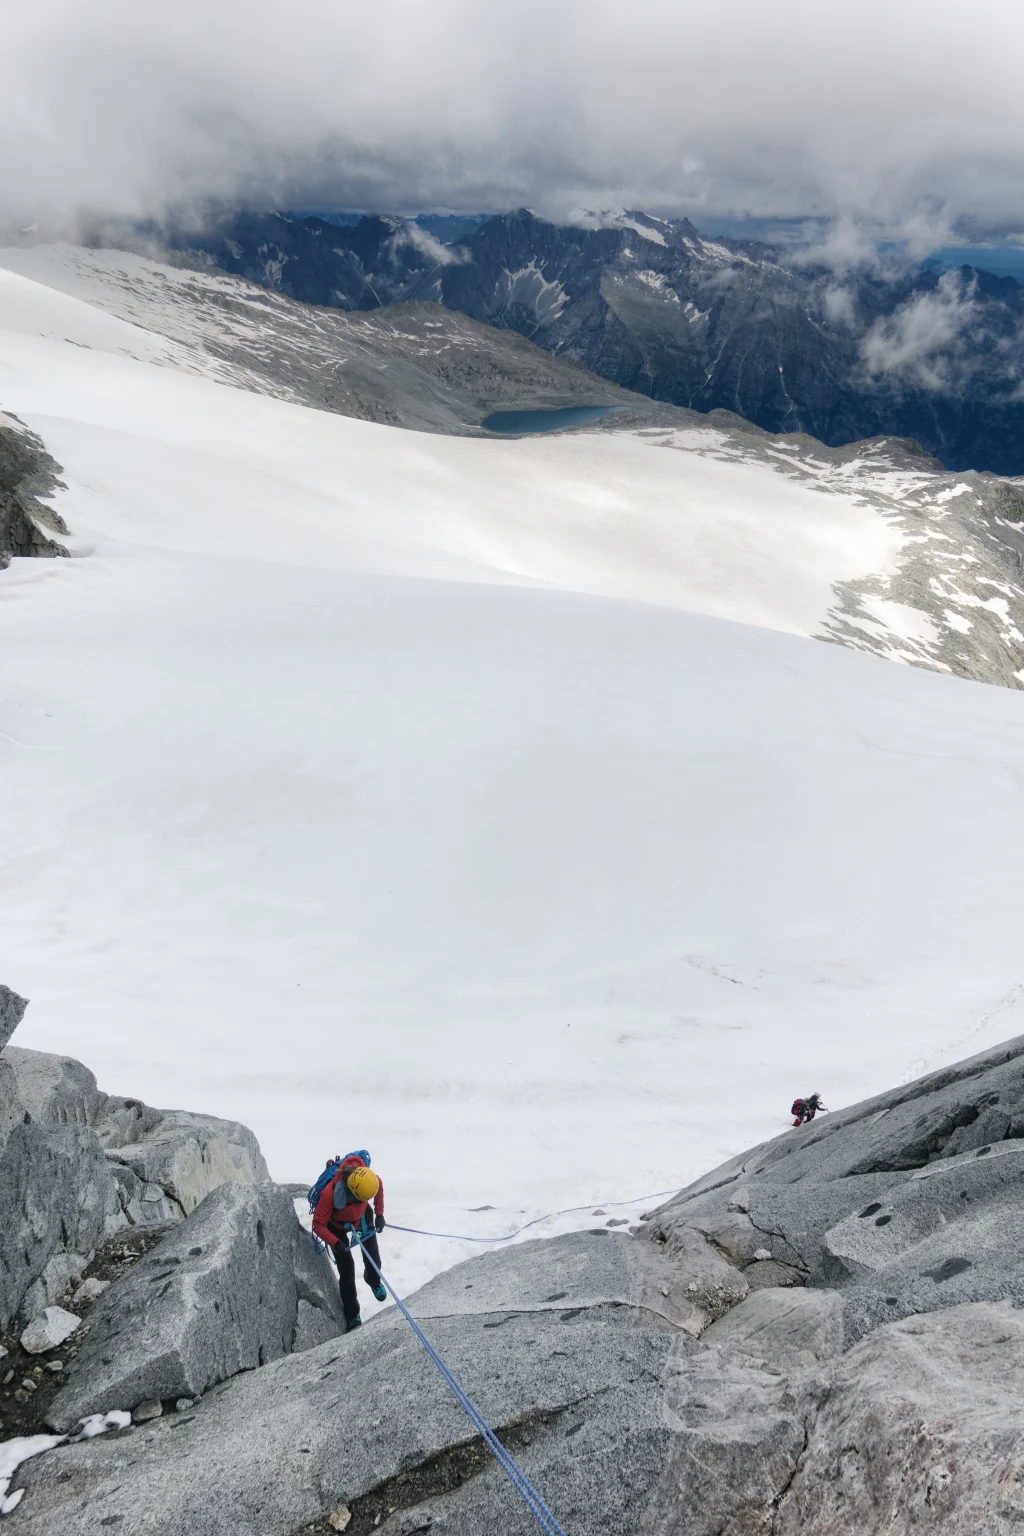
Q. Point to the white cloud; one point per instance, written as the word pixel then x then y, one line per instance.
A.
pixel 919 340
pixel 431 246
pixel 839 306
pixel 910 115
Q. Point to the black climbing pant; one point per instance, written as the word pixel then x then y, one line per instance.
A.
pixel 347 1274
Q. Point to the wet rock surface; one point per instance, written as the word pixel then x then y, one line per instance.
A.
pixel 647 1382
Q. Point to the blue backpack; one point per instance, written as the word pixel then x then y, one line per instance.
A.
pixel 317 1189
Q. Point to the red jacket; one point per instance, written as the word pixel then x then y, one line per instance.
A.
pixel 328 1222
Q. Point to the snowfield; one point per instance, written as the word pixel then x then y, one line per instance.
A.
pixel 480 803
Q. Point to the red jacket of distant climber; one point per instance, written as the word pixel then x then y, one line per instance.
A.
pixel 328 1222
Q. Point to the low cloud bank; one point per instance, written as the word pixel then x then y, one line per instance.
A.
pixel 910 116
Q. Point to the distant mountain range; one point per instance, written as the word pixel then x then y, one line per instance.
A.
pixel 652 306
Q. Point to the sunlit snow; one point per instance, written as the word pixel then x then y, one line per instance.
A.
pixel 478 802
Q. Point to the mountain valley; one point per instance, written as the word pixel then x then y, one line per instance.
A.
pixel 772 334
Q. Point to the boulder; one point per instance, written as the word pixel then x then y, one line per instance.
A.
pixel 60 1276
pixel 164 1162
pixel 77 1165
pixel 49 1330
pixel 89 1290
pixel 217 1296
pixel 56 1090
pixel 183 1156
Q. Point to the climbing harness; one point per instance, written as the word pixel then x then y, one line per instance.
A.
pixel 570 1210
pixel 511 1468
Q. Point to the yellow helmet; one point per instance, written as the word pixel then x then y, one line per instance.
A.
pixel 363 1183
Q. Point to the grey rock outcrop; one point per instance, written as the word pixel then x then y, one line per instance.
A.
pixel 366 1422
pixel 12 1011
pixel 27 472
pixel 921 1429
pixel 217 1296
pixel 653 1384
pixel 906 1204
pixel 78 1165
pixel 582 1270
pixel 167 1161
pixel 58 1199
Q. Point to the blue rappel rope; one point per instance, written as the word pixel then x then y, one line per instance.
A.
pixel 570 1210
pixel 515 1474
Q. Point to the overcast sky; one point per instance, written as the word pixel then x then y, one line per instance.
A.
pixel 896 111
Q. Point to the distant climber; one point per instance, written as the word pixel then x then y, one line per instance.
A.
pixel 342 1220
pixel 806 1109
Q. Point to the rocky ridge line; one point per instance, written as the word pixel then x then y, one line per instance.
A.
pixel 823 1337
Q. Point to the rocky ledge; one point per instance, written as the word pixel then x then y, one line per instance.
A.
pixel 144 1254
pixel 823 1336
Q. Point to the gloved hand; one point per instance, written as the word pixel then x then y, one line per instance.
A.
pixel 379 1223
pixel 345 1240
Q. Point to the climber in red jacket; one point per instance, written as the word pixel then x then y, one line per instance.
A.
pixel 342 1220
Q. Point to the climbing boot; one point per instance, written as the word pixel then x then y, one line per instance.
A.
pixel 380 1292
pixel 353 1322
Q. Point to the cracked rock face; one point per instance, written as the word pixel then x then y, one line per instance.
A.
pixel 653 1384
pixel 217 1296
pixel 921 1429
pixel 77 1166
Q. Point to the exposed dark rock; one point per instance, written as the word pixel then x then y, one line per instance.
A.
pixel 27 473
pixel 12 1011
pixel 652 306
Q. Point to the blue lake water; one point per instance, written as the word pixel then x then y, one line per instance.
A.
pixel 548 421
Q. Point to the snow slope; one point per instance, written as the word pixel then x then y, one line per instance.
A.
pixel 936 565
pixel 411 792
